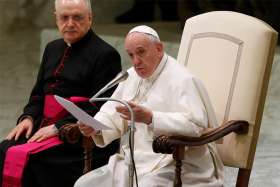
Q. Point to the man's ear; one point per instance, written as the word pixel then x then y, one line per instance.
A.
pixel 159 47
pixel 91 17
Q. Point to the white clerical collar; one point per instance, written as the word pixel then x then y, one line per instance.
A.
pixel 158 70
pixel 145 85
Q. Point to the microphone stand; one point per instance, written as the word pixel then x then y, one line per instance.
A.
pixel 131 134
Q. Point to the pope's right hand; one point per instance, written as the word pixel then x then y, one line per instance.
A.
pixel 86 130
pixel 25 126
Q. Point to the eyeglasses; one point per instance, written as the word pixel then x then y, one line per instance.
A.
pixel 65 18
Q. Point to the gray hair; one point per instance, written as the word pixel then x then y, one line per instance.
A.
pixel 87 3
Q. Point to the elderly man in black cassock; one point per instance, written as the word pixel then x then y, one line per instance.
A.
pixel 75 67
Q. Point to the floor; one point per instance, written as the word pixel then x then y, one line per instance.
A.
pixel 19 61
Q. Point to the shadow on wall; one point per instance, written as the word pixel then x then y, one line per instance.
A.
pixel 266 10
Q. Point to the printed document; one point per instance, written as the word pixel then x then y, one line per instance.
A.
pixel 80 115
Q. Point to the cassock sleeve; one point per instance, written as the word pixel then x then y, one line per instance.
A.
pixel 190 116
pixel 35 105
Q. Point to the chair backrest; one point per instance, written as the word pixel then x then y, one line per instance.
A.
pixel 232 54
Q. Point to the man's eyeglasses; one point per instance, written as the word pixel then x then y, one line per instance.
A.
pixel 65 18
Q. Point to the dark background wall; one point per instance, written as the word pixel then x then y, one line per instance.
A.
pixel 266 10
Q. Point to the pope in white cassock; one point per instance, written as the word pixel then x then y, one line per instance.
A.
pixel 166 99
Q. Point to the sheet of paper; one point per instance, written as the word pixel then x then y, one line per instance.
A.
pixel 80 115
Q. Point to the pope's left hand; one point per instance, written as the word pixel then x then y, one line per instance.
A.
pixel 44 133
pixel 141 114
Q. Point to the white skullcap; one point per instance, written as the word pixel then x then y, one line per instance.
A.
pixel 145 29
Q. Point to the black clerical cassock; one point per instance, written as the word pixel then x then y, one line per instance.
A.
pixel 81 69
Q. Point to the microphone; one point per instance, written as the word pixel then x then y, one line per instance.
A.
pixel 122 76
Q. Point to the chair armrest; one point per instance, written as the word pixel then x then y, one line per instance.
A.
pixel 167 144
pixel 70 133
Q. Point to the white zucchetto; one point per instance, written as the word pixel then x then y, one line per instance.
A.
pixel 145 29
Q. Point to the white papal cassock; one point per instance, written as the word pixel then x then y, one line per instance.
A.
pixel 179 106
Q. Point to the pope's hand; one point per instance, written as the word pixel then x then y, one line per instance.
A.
pixel 87 130
pixel 141 114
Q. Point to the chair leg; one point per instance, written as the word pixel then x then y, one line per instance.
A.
pixel 178 181
pixel 88 145
pixel 178 156
pixel 243 177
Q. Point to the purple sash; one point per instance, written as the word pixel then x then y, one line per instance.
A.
pixel 17 156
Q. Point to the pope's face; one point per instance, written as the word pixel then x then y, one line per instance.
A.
pixel 145 54
pixel 73 20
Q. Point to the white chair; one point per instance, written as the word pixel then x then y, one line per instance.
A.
pixel 232 54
